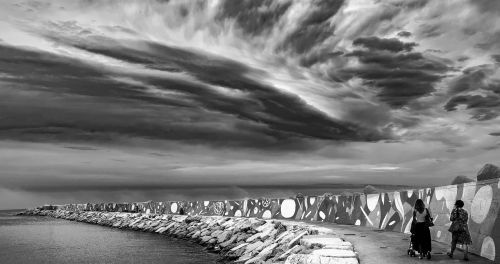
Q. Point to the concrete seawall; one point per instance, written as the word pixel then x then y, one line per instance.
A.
pixel 242 240
pixel 389 211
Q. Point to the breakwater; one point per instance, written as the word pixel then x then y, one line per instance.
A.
pixel 389 211
pixel 240 240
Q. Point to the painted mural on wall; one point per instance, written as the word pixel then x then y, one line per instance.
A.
pixel 389 211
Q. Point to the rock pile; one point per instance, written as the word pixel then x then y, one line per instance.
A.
pixel 461 179
pixel 487 172
pixel 369 189
pixel 238 240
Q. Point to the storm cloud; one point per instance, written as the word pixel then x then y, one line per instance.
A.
pixel 482 79
pixel 485 107
pixel 150 99
pixel 392 45
pixel 390 66
pixel 220 88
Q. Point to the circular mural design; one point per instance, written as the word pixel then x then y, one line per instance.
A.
pixel 481 204
pixel 322 215
pixel 488 248
pixel 288 208
pixel 173 208
pixel 266 214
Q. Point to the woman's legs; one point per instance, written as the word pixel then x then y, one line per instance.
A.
pixel 419 240
pixel 453 245
pixel 423 239
pixel 466 252
pixel 427 240
pixel 428 246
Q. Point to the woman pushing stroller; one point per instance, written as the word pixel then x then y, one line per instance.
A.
pixel 421 235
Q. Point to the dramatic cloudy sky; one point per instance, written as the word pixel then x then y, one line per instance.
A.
pixel 130 100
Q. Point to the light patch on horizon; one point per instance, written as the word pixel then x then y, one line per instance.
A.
pixel 385 168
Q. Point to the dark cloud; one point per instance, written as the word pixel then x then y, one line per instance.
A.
pixel 49 72
pixel 80 125
pixel 474 79
pixel 495 134
pixel 473 101
pixel 399 75
pixel 496 57
pixel 404 34
pixel 314 28
pixel 177 118
pixel 253 16
pixel 483 114
pixel 263 104
pixel 484 107
pixel 81 148
pixel 392 44
pixel 88 103
pixel 471 79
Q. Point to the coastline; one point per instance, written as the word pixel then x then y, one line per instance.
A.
pixel 237 240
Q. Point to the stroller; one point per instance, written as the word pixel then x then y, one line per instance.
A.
pixel 413 238
pixel 411 249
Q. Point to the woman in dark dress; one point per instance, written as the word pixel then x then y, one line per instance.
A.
pixel 421 231
pixel 459 229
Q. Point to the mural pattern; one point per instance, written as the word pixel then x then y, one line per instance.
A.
pixel 389 211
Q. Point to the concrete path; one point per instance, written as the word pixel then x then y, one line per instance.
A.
pixel 379 246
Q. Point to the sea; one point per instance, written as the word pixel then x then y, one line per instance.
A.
pixel 38 239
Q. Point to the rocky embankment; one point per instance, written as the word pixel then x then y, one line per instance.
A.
pixel 238 240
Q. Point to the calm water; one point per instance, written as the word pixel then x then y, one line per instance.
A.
pixel 30 239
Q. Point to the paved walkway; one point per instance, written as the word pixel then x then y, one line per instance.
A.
pixel 387 247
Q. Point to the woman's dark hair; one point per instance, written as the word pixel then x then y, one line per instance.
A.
pixel 459 203
pixel 419 205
